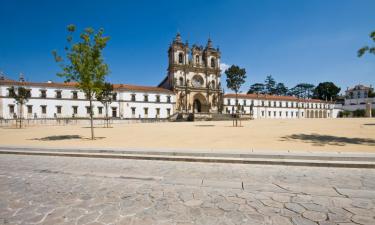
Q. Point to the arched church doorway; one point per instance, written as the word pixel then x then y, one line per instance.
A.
pixel 197 106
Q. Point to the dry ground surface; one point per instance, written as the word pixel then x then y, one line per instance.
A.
pixel 346 135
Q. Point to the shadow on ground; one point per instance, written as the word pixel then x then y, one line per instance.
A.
pixel 321 140
pixel 58 138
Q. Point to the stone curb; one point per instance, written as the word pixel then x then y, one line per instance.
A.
pixel 331 156
pixel 188 158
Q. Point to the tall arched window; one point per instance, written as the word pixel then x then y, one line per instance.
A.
pixel 181 81
pixel 213 62
pixel 180 58
pixel 197 59
pixel 213 84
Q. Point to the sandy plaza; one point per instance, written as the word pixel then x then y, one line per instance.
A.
pixel 347 135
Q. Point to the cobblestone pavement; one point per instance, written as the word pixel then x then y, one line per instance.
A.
pixel 62 190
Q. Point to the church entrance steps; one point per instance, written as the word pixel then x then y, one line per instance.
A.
pixel 321 159
pixel 204 117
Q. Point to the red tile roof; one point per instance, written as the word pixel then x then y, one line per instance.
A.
pixel 271 97
pixel 130 87
pixel 126 87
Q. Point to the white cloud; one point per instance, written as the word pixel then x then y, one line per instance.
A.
pixel 224 66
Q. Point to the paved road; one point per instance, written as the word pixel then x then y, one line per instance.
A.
pixel 62 190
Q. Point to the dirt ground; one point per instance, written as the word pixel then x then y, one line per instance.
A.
pixel 346 135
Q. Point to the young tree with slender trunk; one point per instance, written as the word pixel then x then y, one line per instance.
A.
pixel 235 78
pixel 85 64
pixel 106 98
pixel 21 95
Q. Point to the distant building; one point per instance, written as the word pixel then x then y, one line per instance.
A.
pixel 357 97
pixel 279 107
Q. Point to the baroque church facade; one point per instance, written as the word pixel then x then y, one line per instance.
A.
pixel 192 85
pixel 194 76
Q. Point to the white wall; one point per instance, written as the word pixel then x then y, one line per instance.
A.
pixel 123 104
pixel 283 109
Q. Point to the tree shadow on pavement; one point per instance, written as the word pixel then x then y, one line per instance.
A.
pixel 320 140
pixel 58 138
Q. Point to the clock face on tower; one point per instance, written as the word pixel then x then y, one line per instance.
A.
pixel 197 81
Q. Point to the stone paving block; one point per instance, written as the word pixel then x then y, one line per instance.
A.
pixel 364 220
pixel 314 216
pixel 357 193
pixel 302 221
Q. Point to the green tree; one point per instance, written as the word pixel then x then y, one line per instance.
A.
pixel 326 91
pixel 270 84
pixel 21 95
pixel 281 89
pixel 85 63
pixel 105 96
pixel 235 79
pixel 369 49
pixel 302 90
pixel 257 88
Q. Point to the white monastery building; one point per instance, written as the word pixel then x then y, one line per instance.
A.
pixel 192 86
pixel 358 97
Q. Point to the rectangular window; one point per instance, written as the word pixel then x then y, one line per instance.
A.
pixel 244 102
pixel 158 111
pixel 43 93
pixel 75 109
pixel 75 95
pixel 280 113
pixel 29 109
pixel 114 111
pixel 274 114
pixel 133 98
pixel 11 109
pixel 133 111
pixel 169 99
pixel 262 103
pixel 58 94
pixel 262 113
pixel 145 98
pixel 44 109
pixel 168 112
pixel 88 110
pixel 58 109
pixel 100 110
pixel 292 114
pixel 286 113
pixel 146 111
pixel 114 97
pixel 269 114
pixel 274 104
pixel 157 98
pixel 228 101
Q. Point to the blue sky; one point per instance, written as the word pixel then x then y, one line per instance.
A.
pixel 293 40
